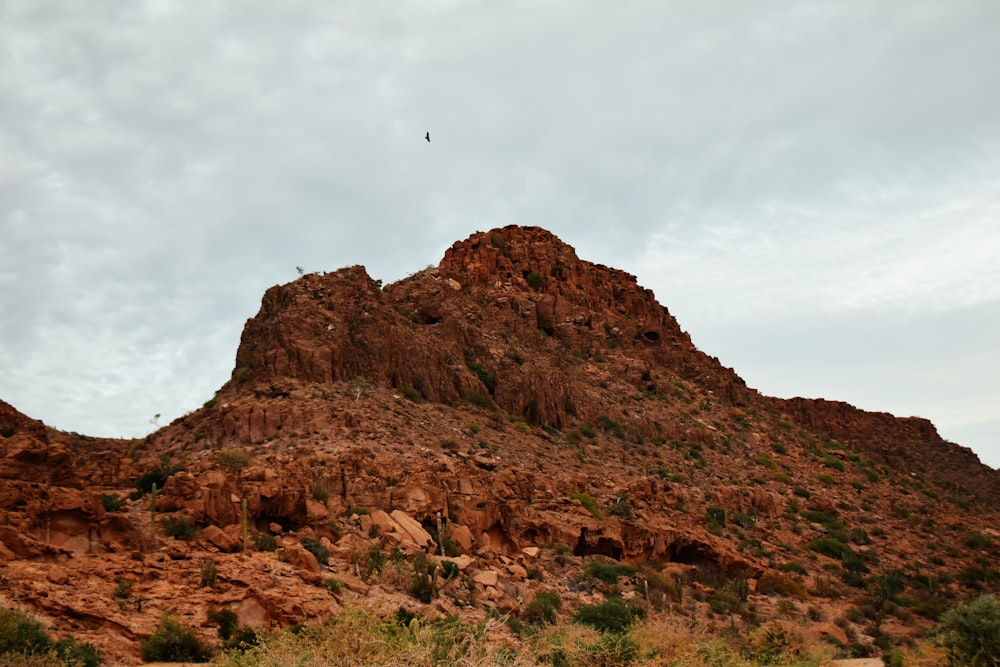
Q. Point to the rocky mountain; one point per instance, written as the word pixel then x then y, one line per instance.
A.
pixel 519 410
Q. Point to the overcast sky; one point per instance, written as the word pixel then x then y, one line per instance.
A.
pixel 811 188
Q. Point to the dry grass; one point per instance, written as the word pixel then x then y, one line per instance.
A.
pixel 357 637
pixel 360 637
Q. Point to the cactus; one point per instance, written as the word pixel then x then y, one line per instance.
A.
pixel 243 523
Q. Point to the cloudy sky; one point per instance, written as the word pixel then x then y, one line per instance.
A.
pixel 811 188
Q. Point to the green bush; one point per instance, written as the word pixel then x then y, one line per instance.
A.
pixel 233 460
pixel 178 527
pixel 611 649
pixel 536 280
pixel 71 652
pixel 831 547
pixel 484 375
pixel 612 615
pixel 971 633
pixel 157 475
pixel 22 637
pixel 822 518
pixel 111 502
pixel 20 634
pixel 226 620
pixel 421 587
pixel 174 642
pixel 833 462
pixel 975 540
pixel 622 508
pixel 609 573
pixel 477 398
pixel 589 504
pixel 265 542
pixel 316 548
pixel 543 608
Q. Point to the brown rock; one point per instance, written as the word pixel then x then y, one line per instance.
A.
pixel 412 528
pixel 220 538
pixel 301 558
pixel 486 577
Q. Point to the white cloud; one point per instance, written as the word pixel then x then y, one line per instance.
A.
pixel 164 163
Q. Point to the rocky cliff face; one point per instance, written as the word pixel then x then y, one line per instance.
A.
pixel 506 316
pixel 516 407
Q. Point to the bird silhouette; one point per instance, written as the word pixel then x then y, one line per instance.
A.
pixel 428 137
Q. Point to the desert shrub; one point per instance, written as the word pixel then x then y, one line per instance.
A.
pixel 975 540
pixel 316 548
pixel 609 573
pixel 484 375
pixel 226 620
pixel 174 642
pixel 71 652
pixel 111 502
pixel 828 521
pixel 859 536
pixel 20 634
pixel 421 585
pixel 157 475
pixel 973 576
pixel 831 547
pixel 797 568
pixel 265 542
pixel 621 508
pixel 854 563
pixel 536 280
pixel 477 398
pixel 232 460
pixel 609 425
pixel 209 573
pixel 730 597
pixel 178 527
pixel 612 615
pixel 833 462
pixel 779 584
pixel 589 503
pixel 375 562
pixel 773 643
pixel 543 608
pixel 971 633
pixel 412 394
pixel 611 649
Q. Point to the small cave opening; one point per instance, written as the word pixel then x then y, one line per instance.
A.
pixel 691 554
pixel 651 336
pixel 602 547
pixel 495 538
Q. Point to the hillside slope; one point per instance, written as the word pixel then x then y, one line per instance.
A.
pixel 525 412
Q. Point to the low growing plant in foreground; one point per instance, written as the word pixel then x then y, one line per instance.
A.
pixel 24 641
pixel 971 633
pixel 174 642
pixel 358 636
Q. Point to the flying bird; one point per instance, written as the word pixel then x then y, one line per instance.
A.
pixel 428 136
